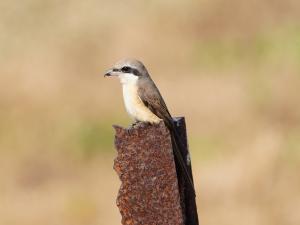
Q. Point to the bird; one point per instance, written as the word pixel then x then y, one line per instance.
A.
pixel 144 103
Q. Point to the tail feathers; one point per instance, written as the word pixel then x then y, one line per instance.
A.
pixel 177 145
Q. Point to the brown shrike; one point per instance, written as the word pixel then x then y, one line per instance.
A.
pixel 144 103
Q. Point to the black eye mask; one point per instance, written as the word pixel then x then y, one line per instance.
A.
pixel 127 69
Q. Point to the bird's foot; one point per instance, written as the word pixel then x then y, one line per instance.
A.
pixel 139 124
pixel 129 131
pixel 134 124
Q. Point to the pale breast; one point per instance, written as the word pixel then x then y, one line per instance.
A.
pixel 135 107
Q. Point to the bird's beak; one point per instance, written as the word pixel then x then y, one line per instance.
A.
pixel 110 72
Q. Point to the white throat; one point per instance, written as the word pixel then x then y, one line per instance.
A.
pixel 133 104
pixel 128 79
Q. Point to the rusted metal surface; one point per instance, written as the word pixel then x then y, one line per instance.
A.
pixel 150 192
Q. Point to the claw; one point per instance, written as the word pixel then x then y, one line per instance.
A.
pixel 135 123
pixel 129 131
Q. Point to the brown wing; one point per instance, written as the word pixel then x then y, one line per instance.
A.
pixel 152 99
pixel 150 96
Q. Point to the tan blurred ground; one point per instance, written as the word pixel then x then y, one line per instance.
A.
pixel 231 67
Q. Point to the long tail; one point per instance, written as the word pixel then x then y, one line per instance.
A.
pixel 177 145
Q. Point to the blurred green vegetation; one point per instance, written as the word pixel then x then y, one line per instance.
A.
pixel 292 153
pixel 264 47
pixel 93 137
pixel 208 148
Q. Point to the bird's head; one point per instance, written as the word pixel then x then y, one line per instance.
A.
pixel 128 71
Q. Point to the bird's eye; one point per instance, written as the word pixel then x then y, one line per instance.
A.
pixel 126 69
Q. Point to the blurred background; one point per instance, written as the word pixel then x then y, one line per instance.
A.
pixel 231 67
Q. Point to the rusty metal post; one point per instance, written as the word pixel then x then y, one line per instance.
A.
pixel 152 190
